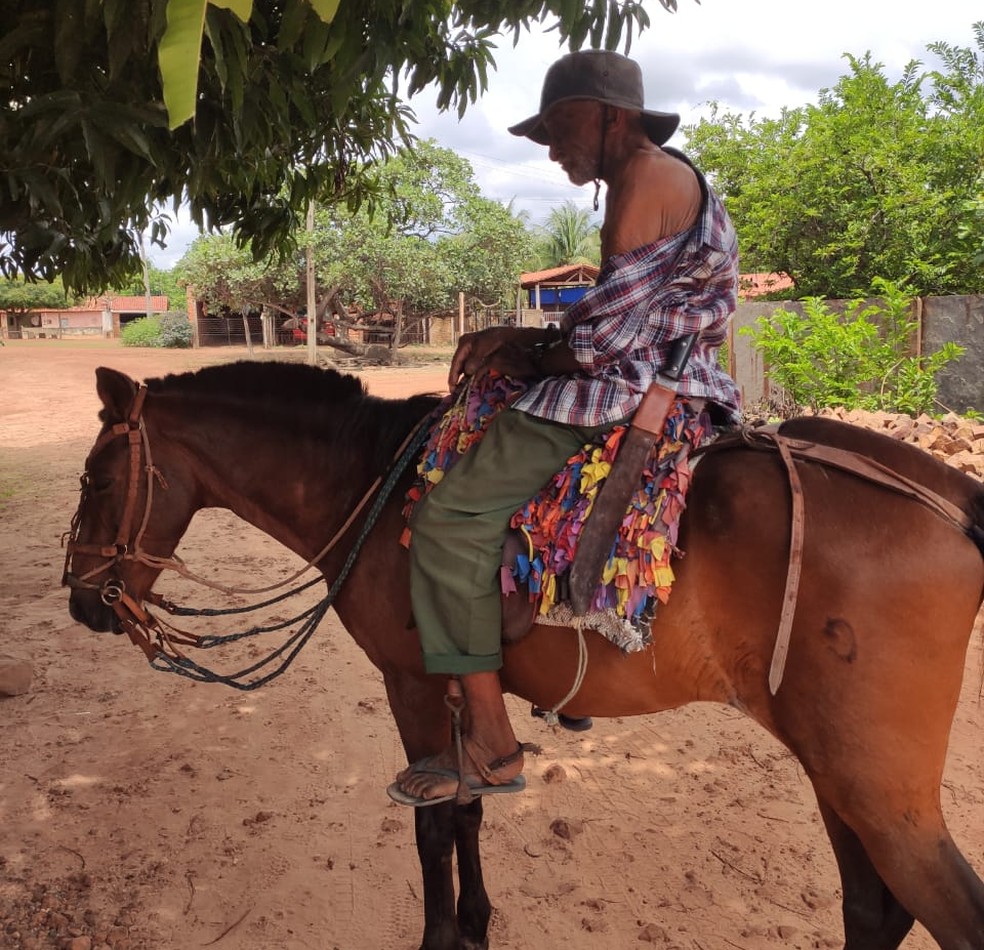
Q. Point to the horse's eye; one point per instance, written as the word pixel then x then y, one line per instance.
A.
pixel 100 484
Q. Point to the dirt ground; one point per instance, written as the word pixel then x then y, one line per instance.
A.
pixel 139 810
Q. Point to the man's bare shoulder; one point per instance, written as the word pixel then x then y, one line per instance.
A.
pixel 663 174
pixel 658 196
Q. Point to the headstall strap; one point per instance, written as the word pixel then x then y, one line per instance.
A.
pixel 132 428
pixel 134 438
pixel 160 640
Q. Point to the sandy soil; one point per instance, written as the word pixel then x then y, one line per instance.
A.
pixel 141 811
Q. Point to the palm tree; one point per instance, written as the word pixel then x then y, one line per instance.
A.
pixel 570 237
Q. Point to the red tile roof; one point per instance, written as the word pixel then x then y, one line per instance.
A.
pixel 137 304
pixel 567 274
pixel 125 304
pixel 755 285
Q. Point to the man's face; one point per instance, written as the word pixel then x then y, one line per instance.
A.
pixel 574 128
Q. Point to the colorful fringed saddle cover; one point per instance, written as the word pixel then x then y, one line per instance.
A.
pixel 638 575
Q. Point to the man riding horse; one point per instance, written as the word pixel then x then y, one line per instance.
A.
pixel 670 270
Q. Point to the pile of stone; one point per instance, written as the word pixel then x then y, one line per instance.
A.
pixel 953 439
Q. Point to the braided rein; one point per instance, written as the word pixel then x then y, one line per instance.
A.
pixel 160 641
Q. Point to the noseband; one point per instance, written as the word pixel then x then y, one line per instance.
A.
pixel 126 547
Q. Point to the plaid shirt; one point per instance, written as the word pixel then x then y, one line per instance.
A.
pixel 622 329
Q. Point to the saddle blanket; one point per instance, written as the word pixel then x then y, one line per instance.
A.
pixel 638 575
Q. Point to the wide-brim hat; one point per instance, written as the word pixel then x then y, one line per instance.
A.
pixel 604 77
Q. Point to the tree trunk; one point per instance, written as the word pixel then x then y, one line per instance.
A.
pixel 249 339
pixel 370 352
pixel 397 337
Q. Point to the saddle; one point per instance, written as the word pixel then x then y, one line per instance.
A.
pixel 540 552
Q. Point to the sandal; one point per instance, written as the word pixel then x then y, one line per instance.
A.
pixel 485 783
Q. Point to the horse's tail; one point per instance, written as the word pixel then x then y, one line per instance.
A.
pixel 976 512
pixel 975 509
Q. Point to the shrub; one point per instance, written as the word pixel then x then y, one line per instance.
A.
pixel 860 359
pixel 143 332
pixel 171 330
pixel 175 330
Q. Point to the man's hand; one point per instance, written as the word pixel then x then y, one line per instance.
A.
pixel 505 349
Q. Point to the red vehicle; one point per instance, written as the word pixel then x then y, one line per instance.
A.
pixel 299 333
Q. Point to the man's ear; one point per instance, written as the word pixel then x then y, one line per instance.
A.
pixel 116 390
pixel 617 117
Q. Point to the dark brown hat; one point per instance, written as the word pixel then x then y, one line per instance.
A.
pixel 604 77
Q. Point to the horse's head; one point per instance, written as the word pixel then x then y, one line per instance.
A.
pixel 129 514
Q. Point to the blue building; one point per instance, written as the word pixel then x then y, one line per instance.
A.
pixel 545 294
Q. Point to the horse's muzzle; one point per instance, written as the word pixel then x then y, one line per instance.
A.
pixel 89 608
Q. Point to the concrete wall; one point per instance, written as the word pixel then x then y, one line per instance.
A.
pixel 960 319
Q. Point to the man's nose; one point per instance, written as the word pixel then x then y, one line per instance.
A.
pixel 552 152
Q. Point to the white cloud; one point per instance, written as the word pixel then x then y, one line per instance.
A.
pixel 183 232
pixel 750 55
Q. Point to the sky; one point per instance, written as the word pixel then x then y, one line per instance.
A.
pixel 749 55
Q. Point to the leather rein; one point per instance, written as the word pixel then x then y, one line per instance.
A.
pixel 144 629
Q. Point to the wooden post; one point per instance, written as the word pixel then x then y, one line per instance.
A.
pixel 461 313
pixel 146 277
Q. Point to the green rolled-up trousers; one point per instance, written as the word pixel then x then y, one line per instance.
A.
pixel 458 531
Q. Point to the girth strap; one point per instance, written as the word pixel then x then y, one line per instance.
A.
pixel 767 438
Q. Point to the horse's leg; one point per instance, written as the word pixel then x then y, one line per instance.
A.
pixel 879 797
pixel 474 907
pixel 435 827
pixel 423 721
pixel 924 869
pixel 885 789
pixel 873 918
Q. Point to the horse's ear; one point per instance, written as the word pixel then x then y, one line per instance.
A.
pixel 116 390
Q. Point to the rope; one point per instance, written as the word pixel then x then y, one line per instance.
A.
pixel 184 666
pixel 551 716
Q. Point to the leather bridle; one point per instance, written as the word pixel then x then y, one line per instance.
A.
pixel 155 637
pixel 127 545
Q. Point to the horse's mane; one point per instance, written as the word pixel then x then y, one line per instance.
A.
pixel 249 380
pixel 300 398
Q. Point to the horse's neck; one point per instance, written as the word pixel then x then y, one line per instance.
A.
pixel 297 487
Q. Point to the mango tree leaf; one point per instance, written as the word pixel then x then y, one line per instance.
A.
pixel 242 8
pixel 179 54
pixel 326 9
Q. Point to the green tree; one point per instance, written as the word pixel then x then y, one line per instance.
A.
pixel 292 103
pixel 957 102
pixel 224 275
pixel 570 236
pixel 429 235
pixel 164 282
pixel 487 256
pixel 19 296
pixel 878 179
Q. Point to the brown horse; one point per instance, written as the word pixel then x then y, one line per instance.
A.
pixel 889 594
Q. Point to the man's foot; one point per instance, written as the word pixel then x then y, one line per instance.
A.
pixel 573 723
pixel 435 778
